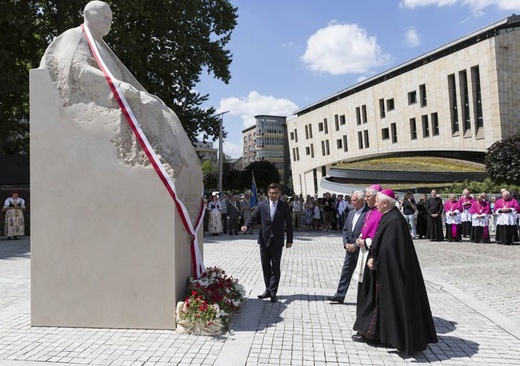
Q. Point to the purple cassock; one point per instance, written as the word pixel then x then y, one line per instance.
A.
pixel 372 219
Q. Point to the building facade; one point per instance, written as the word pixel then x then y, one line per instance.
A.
pixel 205 151
pixel 249 135
pixel 267 140
pixel 460 98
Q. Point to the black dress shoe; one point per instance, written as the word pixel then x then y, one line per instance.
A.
pixel 274 298
pixel 336 299
pixel 361 339
pixel 265 295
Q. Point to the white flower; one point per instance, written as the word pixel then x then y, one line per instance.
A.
pixel 236 302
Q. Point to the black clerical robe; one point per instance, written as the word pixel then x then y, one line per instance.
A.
pixel 434 205
pixel 396 310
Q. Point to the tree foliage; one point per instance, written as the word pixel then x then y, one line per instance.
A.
pixel 503 161
pixel 265 174
pixel 233 180
pixel 488 186
pixel 209 175
pixel 166 44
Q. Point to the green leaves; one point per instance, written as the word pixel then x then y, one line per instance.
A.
pixel 166 44
pixel 503 160
pixel 265 174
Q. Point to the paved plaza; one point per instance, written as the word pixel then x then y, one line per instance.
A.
pixel 474 294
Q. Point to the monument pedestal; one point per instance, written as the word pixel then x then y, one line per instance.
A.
pixel 107 246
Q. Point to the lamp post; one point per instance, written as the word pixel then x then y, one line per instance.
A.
pixel 220 151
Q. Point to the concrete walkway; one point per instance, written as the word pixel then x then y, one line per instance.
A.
pixel 473 289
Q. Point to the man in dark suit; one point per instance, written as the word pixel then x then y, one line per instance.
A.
pixel 234 212
pixel 274 215
pixel 351 230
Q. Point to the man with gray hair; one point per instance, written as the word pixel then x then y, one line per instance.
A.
pixel 364 241
pixel 351 231
pixel 396 310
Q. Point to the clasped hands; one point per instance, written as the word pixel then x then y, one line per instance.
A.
pixel 351 248
pixel 370 264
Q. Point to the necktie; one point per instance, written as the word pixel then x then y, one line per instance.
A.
pixel 273 210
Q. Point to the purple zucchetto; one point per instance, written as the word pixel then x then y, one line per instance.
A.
pixel 388 193
pixel 376 187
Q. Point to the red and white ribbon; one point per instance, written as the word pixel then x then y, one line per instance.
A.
pixel 196 256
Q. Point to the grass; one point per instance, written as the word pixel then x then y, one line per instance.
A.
pixel 423 164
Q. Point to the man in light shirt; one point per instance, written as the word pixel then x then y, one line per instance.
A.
pixel 351 230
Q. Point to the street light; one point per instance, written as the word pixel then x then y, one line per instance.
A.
pixel 220 151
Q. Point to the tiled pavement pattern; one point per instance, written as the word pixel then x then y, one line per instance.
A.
pixel 473 290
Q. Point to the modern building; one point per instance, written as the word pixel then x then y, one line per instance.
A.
pixel 249 135
pixel 456 100
pixel 237 164
pixel 205 151
pixel 267 140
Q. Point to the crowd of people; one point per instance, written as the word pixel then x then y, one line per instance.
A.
pixel 469 216
pixel 429 217
pixel 378 228
pixel 310 213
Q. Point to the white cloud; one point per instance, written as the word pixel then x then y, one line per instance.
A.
pixel 417 3
pixel 255 104
pixel 411 38
pixel 343 48
pixel 477 6
pixel 231 149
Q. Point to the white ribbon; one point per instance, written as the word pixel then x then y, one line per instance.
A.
pixel 197 260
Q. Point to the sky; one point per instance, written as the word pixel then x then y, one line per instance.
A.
pixel 288 54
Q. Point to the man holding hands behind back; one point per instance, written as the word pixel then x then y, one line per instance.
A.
pixel 351 230
pixel 273 214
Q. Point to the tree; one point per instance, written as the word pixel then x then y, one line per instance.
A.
pixel 476 187
pixel 209 175
pixel 233 180
pixel 20 50
pixel 265 174
pixel 166 44
pixel 503 160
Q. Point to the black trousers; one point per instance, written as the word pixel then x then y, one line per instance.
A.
pixel 270 257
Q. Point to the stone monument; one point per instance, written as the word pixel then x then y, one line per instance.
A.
pixel 109 246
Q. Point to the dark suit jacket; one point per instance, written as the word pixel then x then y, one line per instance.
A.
pixel 274 228
pixel 233 211
pixel 350 234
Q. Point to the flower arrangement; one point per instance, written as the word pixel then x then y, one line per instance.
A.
pixel 210 302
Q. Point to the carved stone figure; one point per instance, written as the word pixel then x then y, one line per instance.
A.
pixel 110 249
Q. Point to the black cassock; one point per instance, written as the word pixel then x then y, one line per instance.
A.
pixel 422 219
pixel 396 310
pixel 434 205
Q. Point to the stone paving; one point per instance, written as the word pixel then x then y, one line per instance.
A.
pixel 473 290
